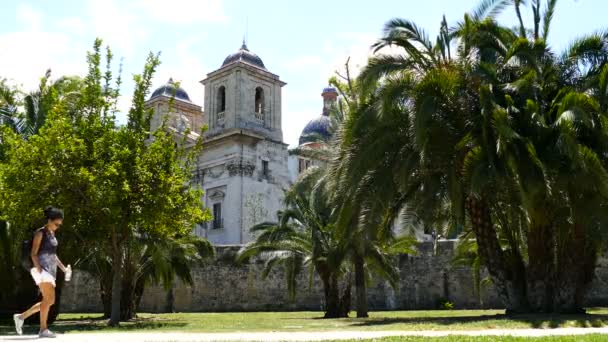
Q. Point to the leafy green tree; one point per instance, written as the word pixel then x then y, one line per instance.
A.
pixel 115 183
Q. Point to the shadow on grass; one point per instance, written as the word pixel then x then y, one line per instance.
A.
pixel 535 321
pixel 98 324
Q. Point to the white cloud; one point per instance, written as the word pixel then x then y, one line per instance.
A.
pixel 355 45
pixel 118 26
pixel 123 105
pixel 183 11
pixel 74 25
pixel 186 67
pixel 27 54
pixel 30 54
pixel 28 17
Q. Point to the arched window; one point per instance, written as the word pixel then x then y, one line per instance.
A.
pixel 221 105
pixel 259 100
pixel 221 99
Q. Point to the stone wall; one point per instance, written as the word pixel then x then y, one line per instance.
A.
pixel 223 286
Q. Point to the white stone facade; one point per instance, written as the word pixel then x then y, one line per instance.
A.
pixel 244 162
pixel 245 166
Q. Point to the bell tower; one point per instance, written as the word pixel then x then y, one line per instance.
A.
pixel 243 94
pixel 244 162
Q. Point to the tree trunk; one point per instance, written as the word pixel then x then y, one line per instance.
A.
pixel 509 285
pixel 332 300
pixel 106 300
pixel 345 299
pixel 116 286
pixel 337 298
pixel 130 298
pixel 540 275
pixel 360 286
pixel 576 271
pixel 127 303
pixel 170 300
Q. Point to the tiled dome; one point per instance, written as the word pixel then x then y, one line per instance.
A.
pixel 315 130
pixel 169 90
pixel 244 55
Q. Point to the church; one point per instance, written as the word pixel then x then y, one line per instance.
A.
pixel 245 165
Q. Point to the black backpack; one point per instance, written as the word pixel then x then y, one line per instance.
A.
pixel 26 257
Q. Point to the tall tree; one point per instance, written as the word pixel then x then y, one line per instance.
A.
pixel 496 129
pixel 305 238
pixel 115 182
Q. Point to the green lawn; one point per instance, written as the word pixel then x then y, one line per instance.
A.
pixel 311 321
pixel 584 338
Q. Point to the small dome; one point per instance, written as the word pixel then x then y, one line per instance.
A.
pixel 244 55
pixel 169 90
pixel 330 90
pixel 315 130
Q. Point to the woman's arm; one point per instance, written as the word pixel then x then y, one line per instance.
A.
pixel 34 253
pixel 60 264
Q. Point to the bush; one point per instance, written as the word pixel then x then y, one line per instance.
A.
pixel 445 304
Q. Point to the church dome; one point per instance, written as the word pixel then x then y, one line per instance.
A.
pixel 169 90
pixel 315 130
pixel 244 55
pixel 330 89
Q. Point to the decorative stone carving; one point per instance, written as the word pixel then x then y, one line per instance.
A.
pixel 217 195
pixel 215 171
pixel 240 167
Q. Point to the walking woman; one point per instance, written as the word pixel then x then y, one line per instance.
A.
pixel 45 261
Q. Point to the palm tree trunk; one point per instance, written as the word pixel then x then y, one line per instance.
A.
pixel 337 300
pixel 332 299
pixel 360 286
pixel 509 285
pixel 541 270
pixel 345 298
pixel 575 271
pixel 127 304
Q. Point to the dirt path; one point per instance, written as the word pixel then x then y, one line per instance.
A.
pixel 297 336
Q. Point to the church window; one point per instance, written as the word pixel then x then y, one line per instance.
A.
pixel 259 103
pixel 265 168
pixel 218 221
pixel 221 105
pixel 221 99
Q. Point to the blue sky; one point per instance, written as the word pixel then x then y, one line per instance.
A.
pixel 303 42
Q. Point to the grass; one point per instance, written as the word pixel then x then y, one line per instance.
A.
pixel 583 338
pixel 311 321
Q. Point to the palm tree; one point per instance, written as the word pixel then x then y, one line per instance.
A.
pixel 149 261
pixel 37 104
pixel 9 103
pixel 305 239
pixel 367 198
pixel 499 127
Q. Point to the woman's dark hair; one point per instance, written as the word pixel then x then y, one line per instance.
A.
pixel 52 213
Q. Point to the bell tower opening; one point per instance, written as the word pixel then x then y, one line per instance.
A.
pixel 221 105
pixel 259 104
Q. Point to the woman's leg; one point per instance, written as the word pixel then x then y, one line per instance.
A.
pixel 48 299
pixel 34 309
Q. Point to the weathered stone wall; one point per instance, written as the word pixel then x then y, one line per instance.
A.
pixel 223 286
